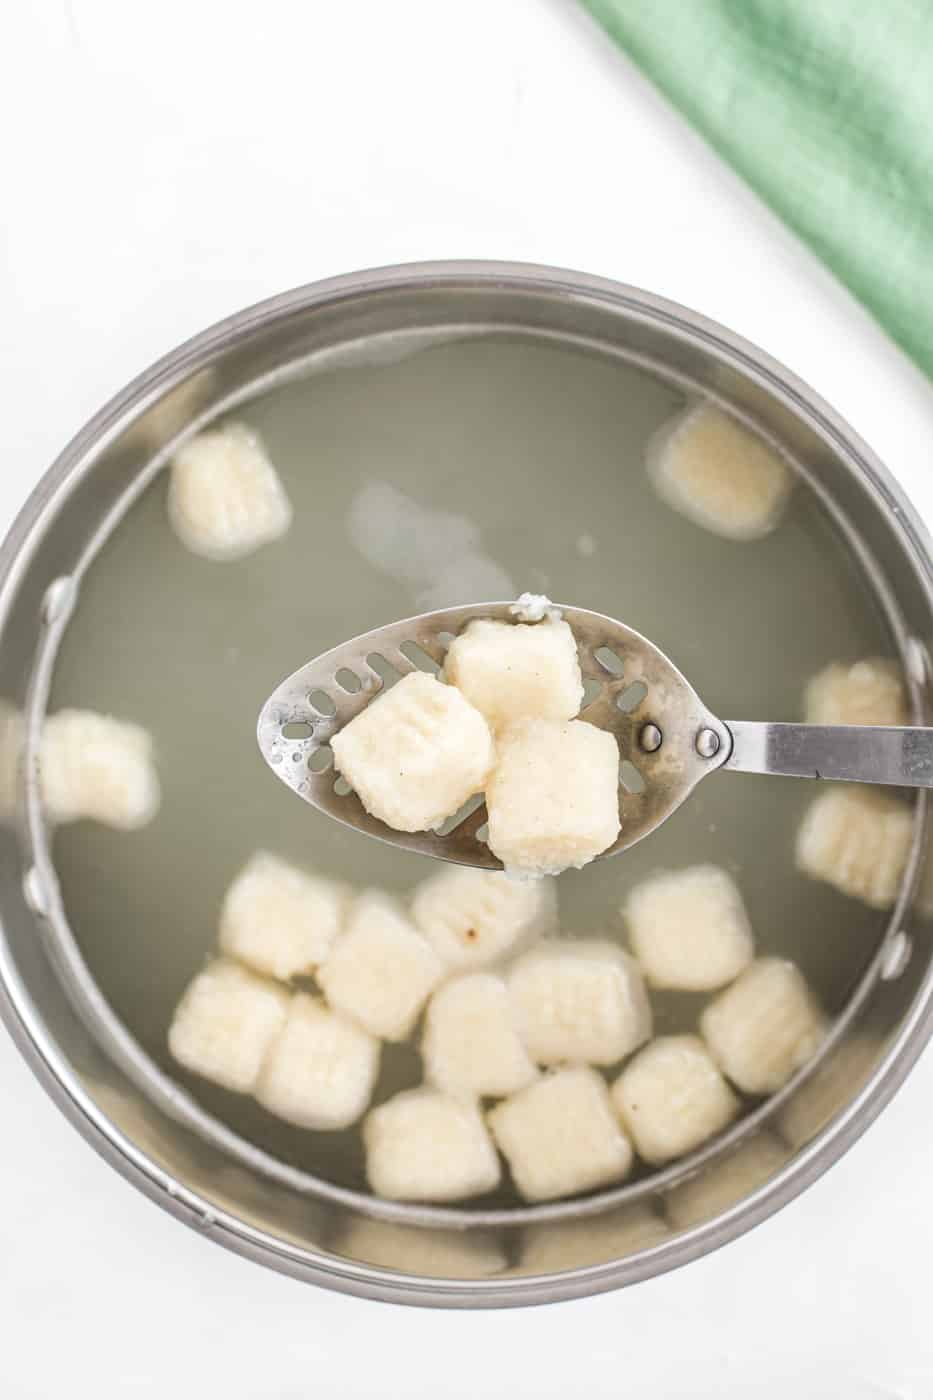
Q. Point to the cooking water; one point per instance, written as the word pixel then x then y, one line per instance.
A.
pixel 470 470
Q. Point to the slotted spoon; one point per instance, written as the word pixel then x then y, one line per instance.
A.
pixel 668 739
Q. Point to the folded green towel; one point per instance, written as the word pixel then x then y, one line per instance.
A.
pixel 826 108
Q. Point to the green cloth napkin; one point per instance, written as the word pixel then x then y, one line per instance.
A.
pixel 826 108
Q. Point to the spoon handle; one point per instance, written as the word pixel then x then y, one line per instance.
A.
pixel 899 756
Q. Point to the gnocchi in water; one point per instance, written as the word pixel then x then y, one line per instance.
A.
pixel 225 498
pixel 712 469
pixel 97 768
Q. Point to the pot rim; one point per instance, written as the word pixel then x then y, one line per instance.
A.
pixel 61 1082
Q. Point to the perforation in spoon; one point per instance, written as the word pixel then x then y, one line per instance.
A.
pixel 631 697
pixel 320 700
pixel 349 681
pixel 387 673
pixel 297 729
pixel 609 660
pixel 321 759
pixel 592 689
pixel 419 658
pixel 460 816
pixel 630 778
pixel 342 788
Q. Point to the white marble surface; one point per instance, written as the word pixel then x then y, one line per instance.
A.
pixel 166 164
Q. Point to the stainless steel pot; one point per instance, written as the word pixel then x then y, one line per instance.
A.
pixel 147 1128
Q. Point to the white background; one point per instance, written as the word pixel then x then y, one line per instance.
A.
pixel 163 165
